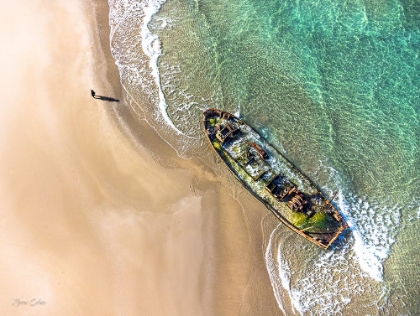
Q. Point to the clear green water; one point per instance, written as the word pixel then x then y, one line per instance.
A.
pixel 336 86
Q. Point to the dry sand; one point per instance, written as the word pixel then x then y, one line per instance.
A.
pixel 91 223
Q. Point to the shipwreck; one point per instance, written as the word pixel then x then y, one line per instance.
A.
pixel 273 179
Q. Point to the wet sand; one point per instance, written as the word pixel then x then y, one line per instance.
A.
pixel 98 215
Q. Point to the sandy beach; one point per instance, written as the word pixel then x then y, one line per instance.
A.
pixel 98 215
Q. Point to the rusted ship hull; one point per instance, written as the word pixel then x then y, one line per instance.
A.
pixel 273 179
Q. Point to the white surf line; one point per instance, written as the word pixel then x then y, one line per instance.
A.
pixel 276 274
pixel 152 48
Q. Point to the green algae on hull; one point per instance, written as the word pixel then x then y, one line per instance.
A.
pixel 273 179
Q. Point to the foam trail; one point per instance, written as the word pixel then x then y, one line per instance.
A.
pixel 280 275
pixel 310 280
pixel 367 260
pixel 152 48
pixel 371 225
pixel 139 70
pixel 276 278
pixel 373 232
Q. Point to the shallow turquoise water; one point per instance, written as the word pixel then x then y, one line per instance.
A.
pixel 335 85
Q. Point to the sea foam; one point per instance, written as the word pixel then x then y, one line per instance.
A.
pixel 374 225
pixel 317 283
pixel 374 228
pixel 278 274
pixel 139 69
pixel 152 47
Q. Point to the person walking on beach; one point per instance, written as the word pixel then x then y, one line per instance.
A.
pixel 100 97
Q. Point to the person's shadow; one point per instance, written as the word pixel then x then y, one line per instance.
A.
pixel 100 97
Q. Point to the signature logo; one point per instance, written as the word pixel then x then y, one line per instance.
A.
pixel 32 302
